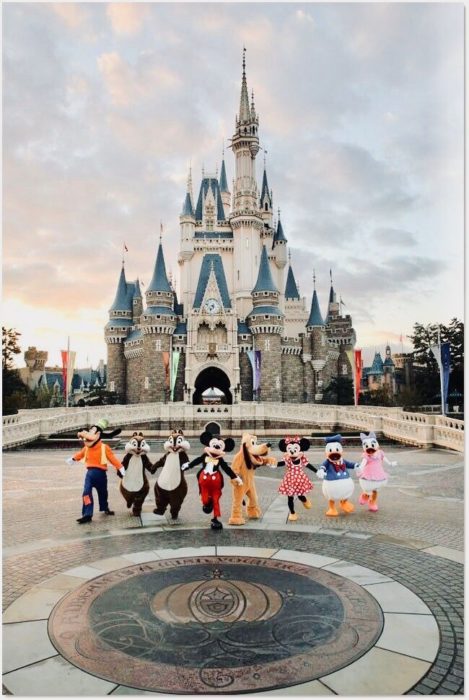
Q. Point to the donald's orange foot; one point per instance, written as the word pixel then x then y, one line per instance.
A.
pixel 347 507
pixel 332 512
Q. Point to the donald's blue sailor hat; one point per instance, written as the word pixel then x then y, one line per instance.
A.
pixel 333 438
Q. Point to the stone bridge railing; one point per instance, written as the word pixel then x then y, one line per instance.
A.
pixel 419 429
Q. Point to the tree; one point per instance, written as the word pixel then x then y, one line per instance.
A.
pixel 339 391
pixel 15 394
pixel 377 397
pixel 10 347
pixel 425 364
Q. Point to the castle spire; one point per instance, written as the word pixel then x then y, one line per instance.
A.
pixel 121 301
pixel 265 282
pixel 223 180
pixel 244 111
pixel 315 318
pixel 291 288
pixel 188 206
pixel 159 281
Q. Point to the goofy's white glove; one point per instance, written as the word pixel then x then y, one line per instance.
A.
pixel 70 461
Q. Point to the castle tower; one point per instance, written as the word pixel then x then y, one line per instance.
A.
pixel 279 249
pixel 333 309
pixel 158 324
pixel 389 370
pixel 266 324
pixel 315 327
pixel 116 331
pixel 137 303
pixel 245 219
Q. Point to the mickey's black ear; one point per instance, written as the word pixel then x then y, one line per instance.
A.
pixel 304 444
pixel 205 438
pixel 282 445
pixel 134 433
pixel 229 444
pixel 140 434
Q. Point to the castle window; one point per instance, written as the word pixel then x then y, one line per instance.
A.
pixel 238 274
pixel 147 383
pixel 158 344
pixel 267 344
pixel 266 206
pixel 112 386
pixel 266 318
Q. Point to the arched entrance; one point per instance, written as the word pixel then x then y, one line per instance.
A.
pixel 212 378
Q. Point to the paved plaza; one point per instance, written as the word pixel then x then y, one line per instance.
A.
pixel 362 604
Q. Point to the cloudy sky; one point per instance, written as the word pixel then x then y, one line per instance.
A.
pixel 105 105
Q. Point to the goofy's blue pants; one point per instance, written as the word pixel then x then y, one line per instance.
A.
pixel 95 478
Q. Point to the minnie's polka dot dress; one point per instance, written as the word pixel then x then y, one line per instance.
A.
pixel 295 482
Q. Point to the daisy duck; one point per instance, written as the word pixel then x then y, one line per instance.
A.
pixel 337 483
pixel 371 473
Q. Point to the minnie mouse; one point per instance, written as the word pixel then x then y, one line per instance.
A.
pixel 295 482
pixel 210 478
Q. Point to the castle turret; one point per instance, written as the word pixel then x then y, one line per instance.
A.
pixel 333 309
pixel 315 327
pixel 266 324
pixel 245 219
pixel 116 331
pixel 245 145
pixel 137 303
pixel 158 324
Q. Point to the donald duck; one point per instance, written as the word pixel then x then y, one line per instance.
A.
pixel 337 483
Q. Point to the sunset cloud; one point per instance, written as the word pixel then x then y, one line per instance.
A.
pixel 362 117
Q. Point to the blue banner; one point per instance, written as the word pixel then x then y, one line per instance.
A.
pixel 255 360
pixel 446 366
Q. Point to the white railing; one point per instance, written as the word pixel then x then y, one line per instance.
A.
pixel 422 430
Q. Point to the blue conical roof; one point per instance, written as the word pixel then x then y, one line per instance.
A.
pixel 331 295
pixel 122 301
pixel 187 208
pixel 291 289
pixel 279 234
pixel 315 318
pixel 223 180
pixel 205 184
pixel 159 281
pixel 377 366
pixel 265 282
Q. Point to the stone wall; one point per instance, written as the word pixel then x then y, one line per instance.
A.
pixel 116 370
pixel 292 379
pixel 134 379
pixel 271 366
pixel 153 368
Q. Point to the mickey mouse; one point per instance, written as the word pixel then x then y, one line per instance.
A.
pixel 210 478
pixel 295 482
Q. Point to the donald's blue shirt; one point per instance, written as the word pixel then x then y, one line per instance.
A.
pixel 336 471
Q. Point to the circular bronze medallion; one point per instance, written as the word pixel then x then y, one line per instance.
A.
pixel 227 624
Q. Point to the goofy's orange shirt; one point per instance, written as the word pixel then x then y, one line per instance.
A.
pixel 97 456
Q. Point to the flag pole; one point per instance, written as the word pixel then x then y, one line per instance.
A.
pixel 441 374
pixel 68 370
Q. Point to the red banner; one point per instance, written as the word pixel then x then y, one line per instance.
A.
pixel 358 374
pixel 64 354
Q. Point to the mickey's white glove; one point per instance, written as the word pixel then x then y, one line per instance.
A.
pixel 393 464
pixel 185 466
pixel 70 461
pixel 121 471
pixel 273 466
pixel 321 473
pixel 238 481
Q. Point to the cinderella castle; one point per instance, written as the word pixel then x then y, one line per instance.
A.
pixel 239 324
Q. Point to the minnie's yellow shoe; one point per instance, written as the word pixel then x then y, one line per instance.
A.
pixel 307 504
pixel 293 516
